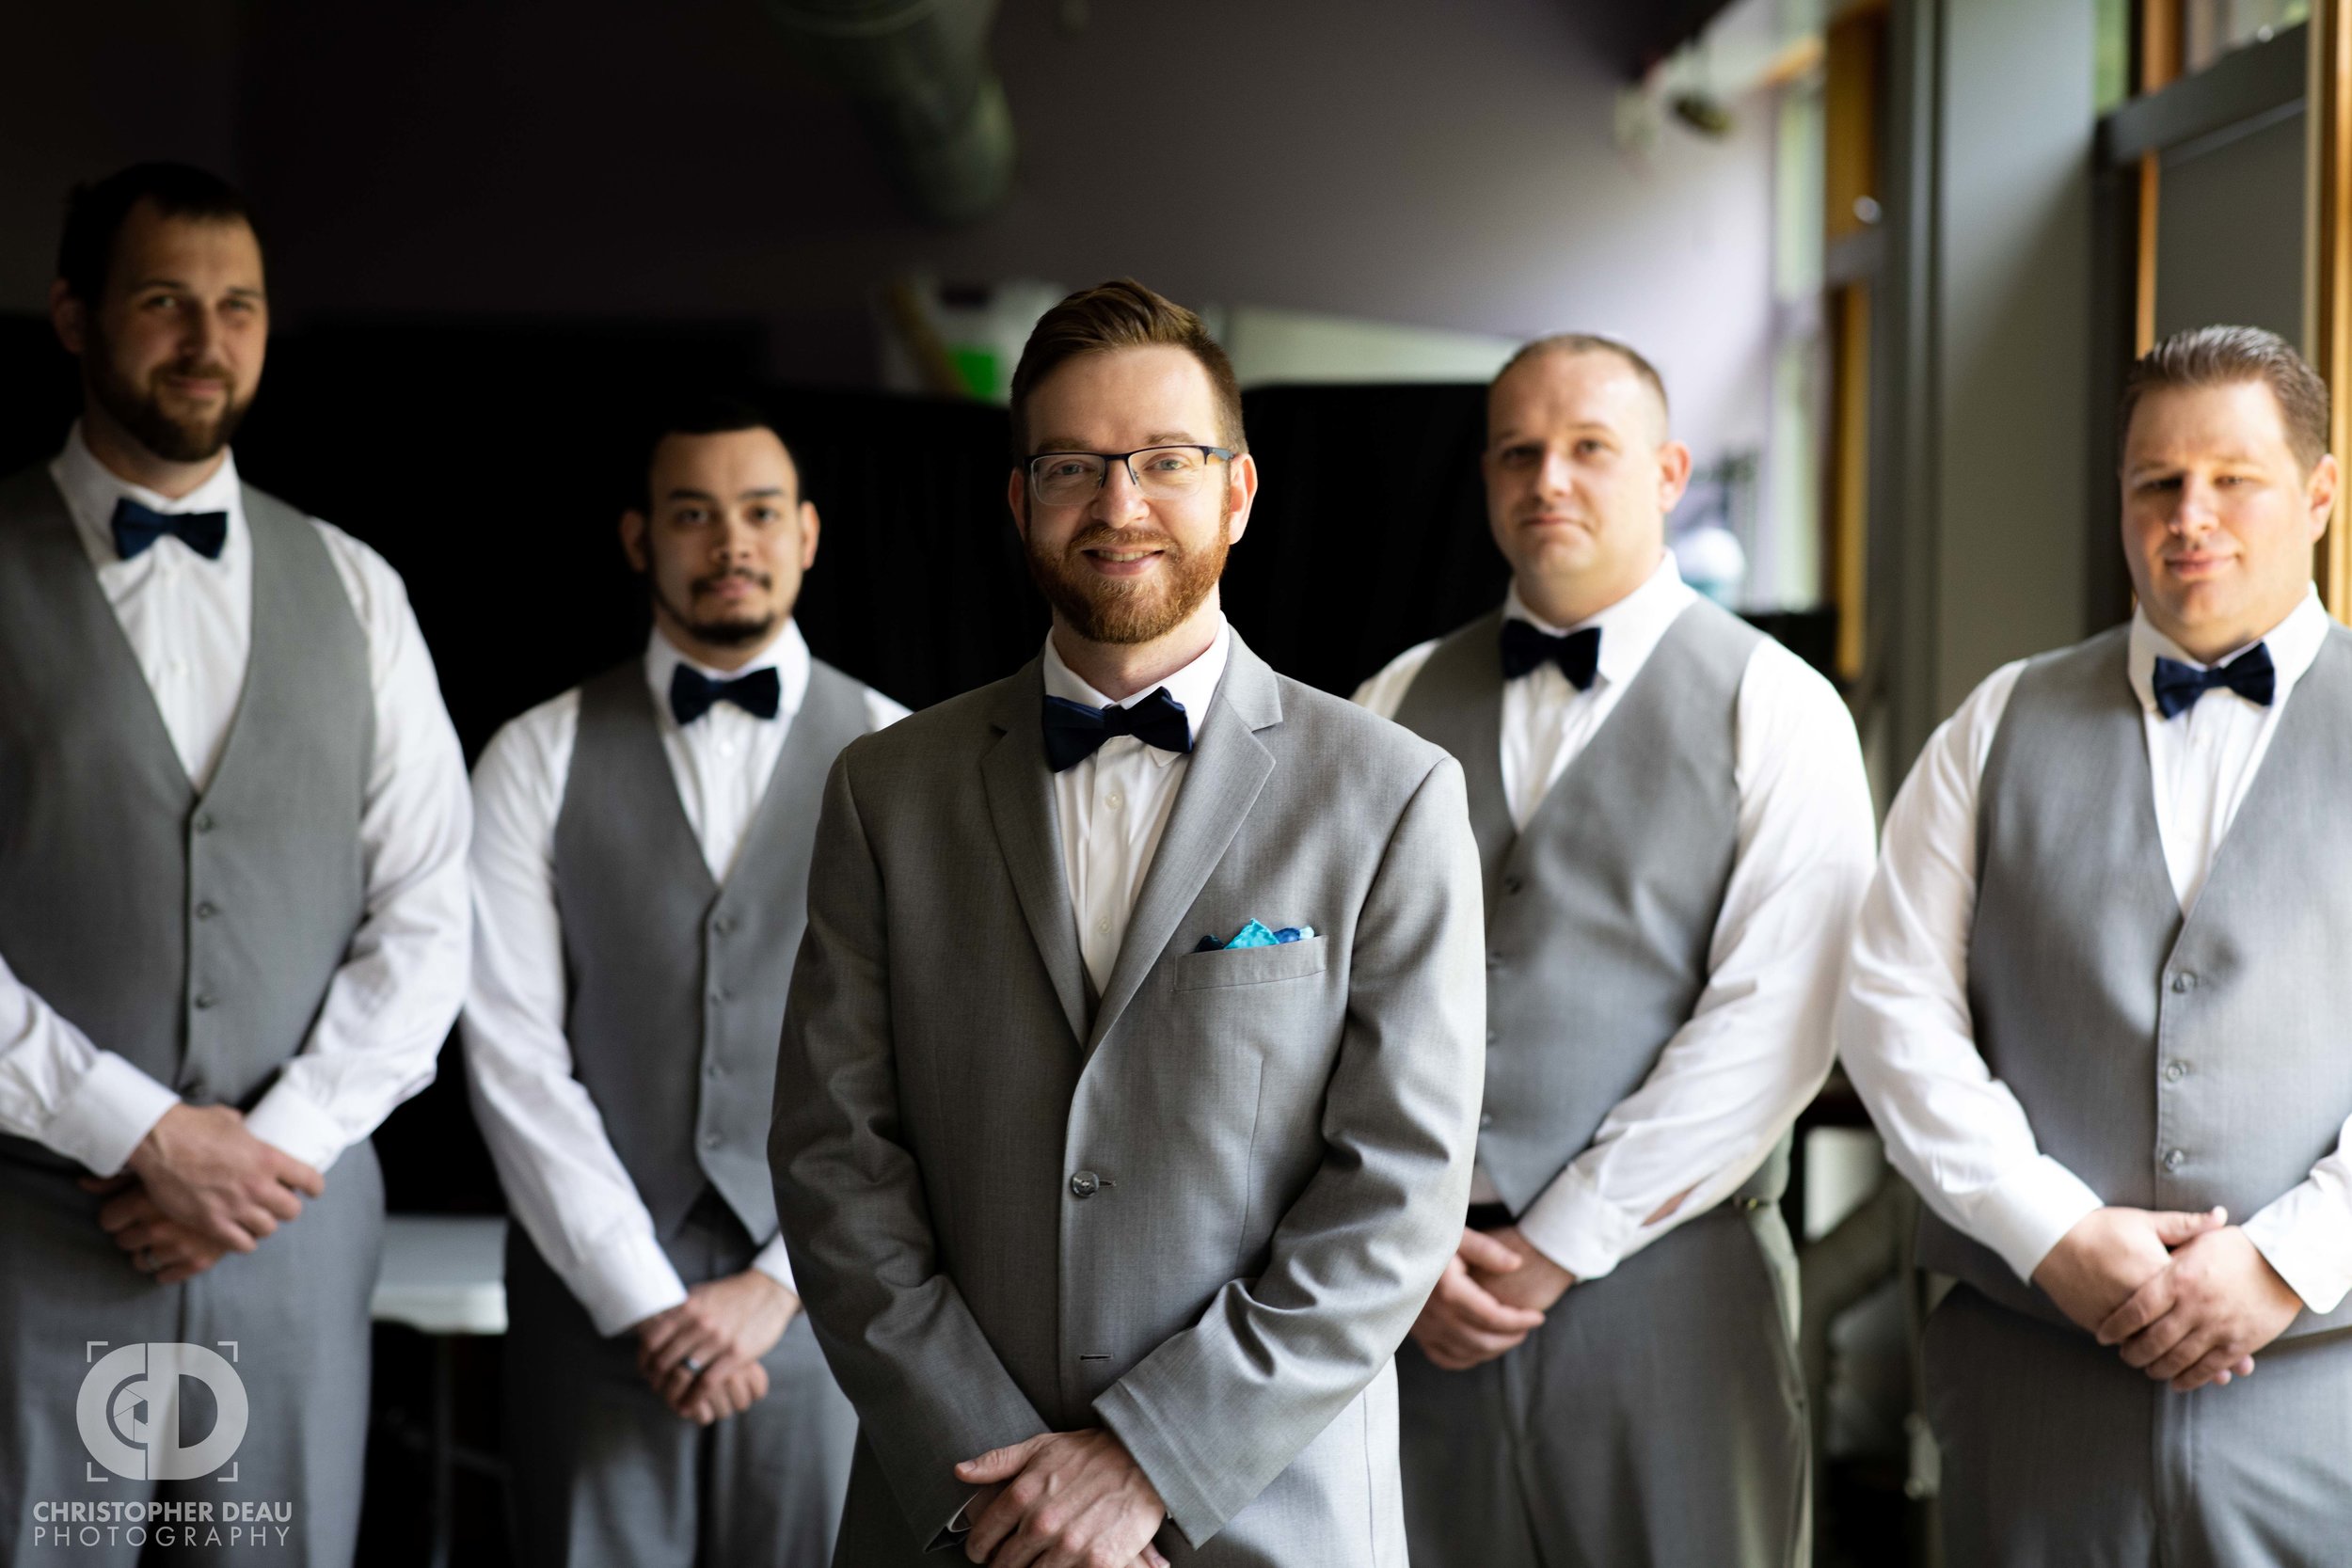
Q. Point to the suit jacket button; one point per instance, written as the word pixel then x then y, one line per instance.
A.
pixel 1486 1119
pixel 1512 884
pixel 203 1000
pixel 1085 1184
pixel 2175 1159
pixel 712 1140
pixel 2184 981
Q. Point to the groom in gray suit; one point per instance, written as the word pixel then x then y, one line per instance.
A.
pixel 1124 1117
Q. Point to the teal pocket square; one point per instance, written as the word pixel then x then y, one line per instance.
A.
pixel 1256 935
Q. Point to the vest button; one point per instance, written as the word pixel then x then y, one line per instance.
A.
pixel 205 911
pixel 1486 1119
pixel 203 1000
pixel 1512 884
pixel 720 993
pixel 712 1140
pixel 725 924
pixel 714 1070
pixel 2184 981
pixel 1494 961
pixel 1085 1184
pixel 2175 1072
pixel 204 822
pixel 1493 1037
pixel 2175 1159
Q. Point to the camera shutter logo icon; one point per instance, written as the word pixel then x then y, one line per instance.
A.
pixel 130 1411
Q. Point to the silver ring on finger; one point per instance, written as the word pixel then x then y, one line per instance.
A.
pixel 691 1365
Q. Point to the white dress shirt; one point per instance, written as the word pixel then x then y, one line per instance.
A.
pixel 1758 1043
pixel 1113 807
pixel 563 1179
pixel 189 623
pixel 1952 1129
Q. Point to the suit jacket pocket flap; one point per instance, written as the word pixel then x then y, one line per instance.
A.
pixel 1250 966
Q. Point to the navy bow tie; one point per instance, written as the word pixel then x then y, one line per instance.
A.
pixel 1577 653
pixel 137 529
pixel 2178 685
pixel 691 692
pixel 1074 732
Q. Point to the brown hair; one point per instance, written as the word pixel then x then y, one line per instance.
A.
pixel 2225 356
pixel 1121 313
pixel 1587 343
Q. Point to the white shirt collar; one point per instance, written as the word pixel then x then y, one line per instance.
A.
pixel 1631 627
pixel 90 490
pixel 787 653
pixel 2294 643
pixel 1193 687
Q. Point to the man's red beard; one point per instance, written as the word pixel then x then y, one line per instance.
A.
pixel 1123 612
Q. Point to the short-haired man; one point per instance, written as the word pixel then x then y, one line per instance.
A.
pixel 1128 1082
pixel 640 858
pixel 2097 1008
pixel 233 921
pixel 1675 828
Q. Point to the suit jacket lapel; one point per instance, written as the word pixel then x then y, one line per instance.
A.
pixel 1021 801
pixel 1229 767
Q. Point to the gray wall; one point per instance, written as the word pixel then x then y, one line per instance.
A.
pixel 2014 333
pixel 1443 165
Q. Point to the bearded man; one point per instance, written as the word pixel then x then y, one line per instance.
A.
pixel 233 922
pixel 1131 1067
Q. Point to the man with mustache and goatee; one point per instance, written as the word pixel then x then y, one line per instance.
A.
pixel 1130 1075
pixel 1676 827
pixel 640 858
pixel 233 922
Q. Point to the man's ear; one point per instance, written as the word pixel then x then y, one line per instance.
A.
pixel 2321 492
pixel 1674 474
pixel 69 316
pixel 810 527
pixel 1016 495
pixel 633 529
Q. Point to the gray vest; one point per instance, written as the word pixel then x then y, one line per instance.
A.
pixel 194 936
pixel 1600 915
pixel 677 985
pixel 2170 1063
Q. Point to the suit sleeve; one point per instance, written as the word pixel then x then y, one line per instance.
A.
pixel 1218 1411
pixel 928 1388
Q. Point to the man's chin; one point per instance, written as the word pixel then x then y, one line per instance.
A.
pixel 733 631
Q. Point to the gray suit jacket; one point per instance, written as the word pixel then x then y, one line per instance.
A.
pixel 1203 1212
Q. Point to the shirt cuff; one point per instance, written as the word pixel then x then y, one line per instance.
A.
pixel 777 1263
pixel 1571 1223
pixel 629 1280
pixel 2307 1236
pixel 2026 1213
pixel 292 1121
pixel 108 1114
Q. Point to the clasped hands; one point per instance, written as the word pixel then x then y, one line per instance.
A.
pixel 1062 1499
pixel 198 1187
pixel 703 1355
pixel 1493 1294
pixel 2186 1298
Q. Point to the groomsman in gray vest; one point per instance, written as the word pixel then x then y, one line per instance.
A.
pixel 2098 1008
pixel 641 857
pixel 1129 1080
pixel 1676 829
pixel 233 924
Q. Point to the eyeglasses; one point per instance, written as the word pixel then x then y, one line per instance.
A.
pixel 1162 473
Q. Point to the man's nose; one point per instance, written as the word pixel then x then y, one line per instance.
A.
pixel 1552 477
pixel 1120 495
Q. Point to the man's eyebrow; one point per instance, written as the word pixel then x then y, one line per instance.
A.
pixel 681 493
pixel 241 291
pixel 1157 439
pixel 759 490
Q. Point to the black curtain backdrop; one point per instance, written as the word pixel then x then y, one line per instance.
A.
pixel 489 463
